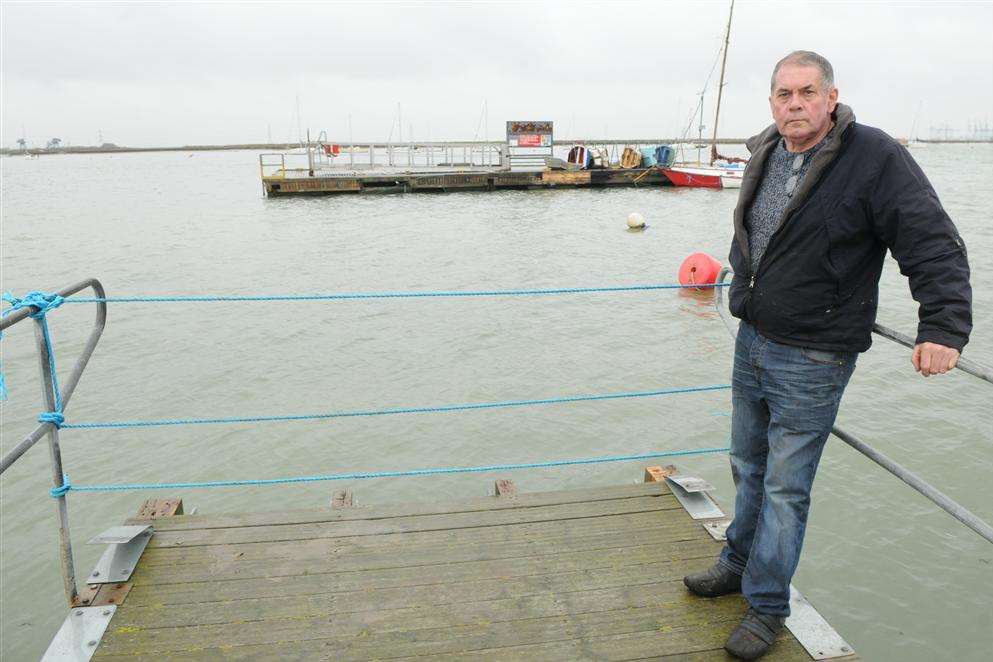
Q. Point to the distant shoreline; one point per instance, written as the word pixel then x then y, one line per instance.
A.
pixel 450 143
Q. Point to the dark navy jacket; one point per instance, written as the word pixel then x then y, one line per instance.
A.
pixel 817 284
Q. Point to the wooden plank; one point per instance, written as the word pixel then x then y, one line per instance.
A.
pixel 342 499
pixel 436 543
pixel 505 488
pixel 233 569
pixel 566 177
pixel 352 618
pixel 233 560
pixel 619 525
pixel 156 508
pixel 636 645
pixel 526 500
pixel 495 517
pixel 438 630
pixel 350 598
pixel 659 474
pixel 703 645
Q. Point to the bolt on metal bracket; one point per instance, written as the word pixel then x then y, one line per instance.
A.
pixel 80 634
pixel 125 545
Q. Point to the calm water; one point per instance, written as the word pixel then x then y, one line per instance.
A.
pixel 896 576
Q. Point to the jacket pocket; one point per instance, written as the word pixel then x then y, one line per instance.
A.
pixel 738 297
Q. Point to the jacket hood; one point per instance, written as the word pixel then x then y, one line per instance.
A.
pixel 843 117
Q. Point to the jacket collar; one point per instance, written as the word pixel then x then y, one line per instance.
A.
pixel 761 145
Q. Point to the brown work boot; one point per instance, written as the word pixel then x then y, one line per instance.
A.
pixel 754 636
pixel 714 581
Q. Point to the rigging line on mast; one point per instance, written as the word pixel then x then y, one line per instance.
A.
pixel 699 105
pixel 720 85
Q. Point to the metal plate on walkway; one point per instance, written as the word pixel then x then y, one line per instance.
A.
pixel 119 559
pixel 718 528
pixel 691 483
pixel 814 633
pixel 119 534
pixel 80 634
pixel 698 503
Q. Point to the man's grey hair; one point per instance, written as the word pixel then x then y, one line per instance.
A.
pixel 807 59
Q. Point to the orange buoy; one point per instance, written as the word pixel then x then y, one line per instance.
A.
pixel 699 269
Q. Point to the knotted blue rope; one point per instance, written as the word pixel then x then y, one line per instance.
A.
pixel 55 418
pixel 385 412
pixel 45 302
pixel 124 487
pixel 57 492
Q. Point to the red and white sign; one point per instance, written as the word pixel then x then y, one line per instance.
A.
pixel 529 140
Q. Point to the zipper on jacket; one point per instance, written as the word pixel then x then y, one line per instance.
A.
pixel 772 238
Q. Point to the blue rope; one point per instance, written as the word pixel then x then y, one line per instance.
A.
pixel 57 492
pixel 387 295
pixel 375 474
pixel 45 303
pixel 384 412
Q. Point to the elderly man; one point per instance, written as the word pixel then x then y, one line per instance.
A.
pixel 822 199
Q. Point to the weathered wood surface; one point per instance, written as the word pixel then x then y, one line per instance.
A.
pixel 571 575
pixel 401 182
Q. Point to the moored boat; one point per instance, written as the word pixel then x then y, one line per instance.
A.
pixel 721 171
pixel 704 176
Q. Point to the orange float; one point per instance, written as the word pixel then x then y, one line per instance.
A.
pixel 699 269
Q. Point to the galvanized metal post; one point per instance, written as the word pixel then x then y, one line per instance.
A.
pixel 65 543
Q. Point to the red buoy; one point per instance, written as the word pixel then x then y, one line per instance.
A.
pixel 699 269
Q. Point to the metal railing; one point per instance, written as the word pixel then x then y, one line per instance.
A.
pixel 384 157
pixel 50 429
pixel 946 503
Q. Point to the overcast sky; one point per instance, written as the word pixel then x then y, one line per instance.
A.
pixel 207 73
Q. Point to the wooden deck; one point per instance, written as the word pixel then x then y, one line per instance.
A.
pixel 473 180
pixel 569 575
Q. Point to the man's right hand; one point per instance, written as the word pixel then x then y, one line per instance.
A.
pixel 930 358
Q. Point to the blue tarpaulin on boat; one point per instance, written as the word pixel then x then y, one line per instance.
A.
pixel 665 155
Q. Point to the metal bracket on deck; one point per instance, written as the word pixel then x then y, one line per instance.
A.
pixel 814 633
pixel 692 493
pixel 125 545
pixel 718 528
pixel 80 634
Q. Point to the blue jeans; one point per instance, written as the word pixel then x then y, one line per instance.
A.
pixel 784 402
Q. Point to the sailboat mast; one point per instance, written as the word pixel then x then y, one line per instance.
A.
pixel 720 86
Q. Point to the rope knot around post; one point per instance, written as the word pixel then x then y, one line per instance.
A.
pixel 43 301
pixel 56 418
pixel 61 491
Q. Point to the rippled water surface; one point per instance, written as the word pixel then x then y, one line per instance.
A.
pixel 896 576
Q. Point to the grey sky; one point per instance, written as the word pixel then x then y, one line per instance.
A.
pixel 172 74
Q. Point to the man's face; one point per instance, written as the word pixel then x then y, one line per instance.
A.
pixel 800 105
